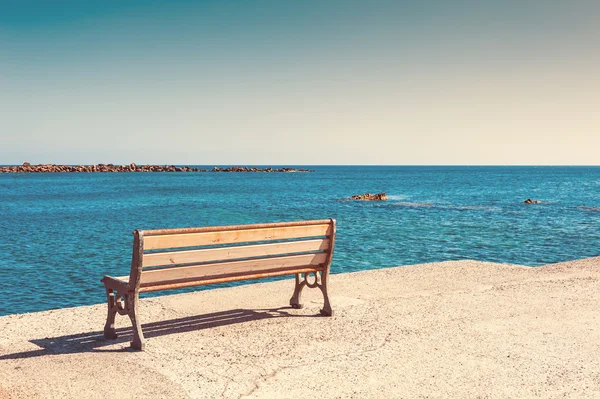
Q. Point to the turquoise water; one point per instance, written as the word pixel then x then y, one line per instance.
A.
pixel 62 232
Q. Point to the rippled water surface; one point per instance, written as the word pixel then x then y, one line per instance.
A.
pixel 60 233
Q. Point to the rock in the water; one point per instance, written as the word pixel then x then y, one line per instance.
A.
pixel 530 201
pixel 370 197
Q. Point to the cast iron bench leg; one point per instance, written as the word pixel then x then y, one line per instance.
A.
pixel 109 327
pixel 132 310
pixel 320 282
pixel 326 311
pixel 295 302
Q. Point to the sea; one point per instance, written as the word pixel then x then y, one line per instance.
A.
pixel 61 233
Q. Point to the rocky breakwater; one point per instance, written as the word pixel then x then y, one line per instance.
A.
pixel 247 169
pixel 52 168
pixel 370 197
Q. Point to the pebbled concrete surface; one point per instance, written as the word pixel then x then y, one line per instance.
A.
pixel 450 329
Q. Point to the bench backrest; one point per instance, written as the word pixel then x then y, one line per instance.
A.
pixel 176 258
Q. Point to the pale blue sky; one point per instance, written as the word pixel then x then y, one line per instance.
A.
pixel 300 82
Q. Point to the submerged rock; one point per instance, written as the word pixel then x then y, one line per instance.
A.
pixel 589 208
pixel 370 197
pixel 415 204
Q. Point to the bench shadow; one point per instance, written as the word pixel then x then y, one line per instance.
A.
pixel 95 341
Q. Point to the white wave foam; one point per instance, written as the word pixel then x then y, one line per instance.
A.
pixel 398 197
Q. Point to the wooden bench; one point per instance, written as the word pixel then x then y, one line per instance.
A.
pixel 178 258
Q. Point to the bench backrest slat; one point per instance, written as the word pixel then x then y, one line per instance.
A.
pixel 227 253
pixel 227 279
pixel 197 272
pixel 234 236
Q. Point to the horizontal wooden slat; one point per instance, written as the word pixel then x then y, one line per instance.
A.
pixel 225 268
pixel 225 253
pixel 205 229
pixel 194 283
pixel 235 236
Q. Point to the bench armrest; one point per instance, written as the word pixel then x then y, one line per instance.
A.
pixel 116 283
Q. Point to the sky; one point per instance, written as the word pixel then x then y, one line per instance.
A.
pixel 282 82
